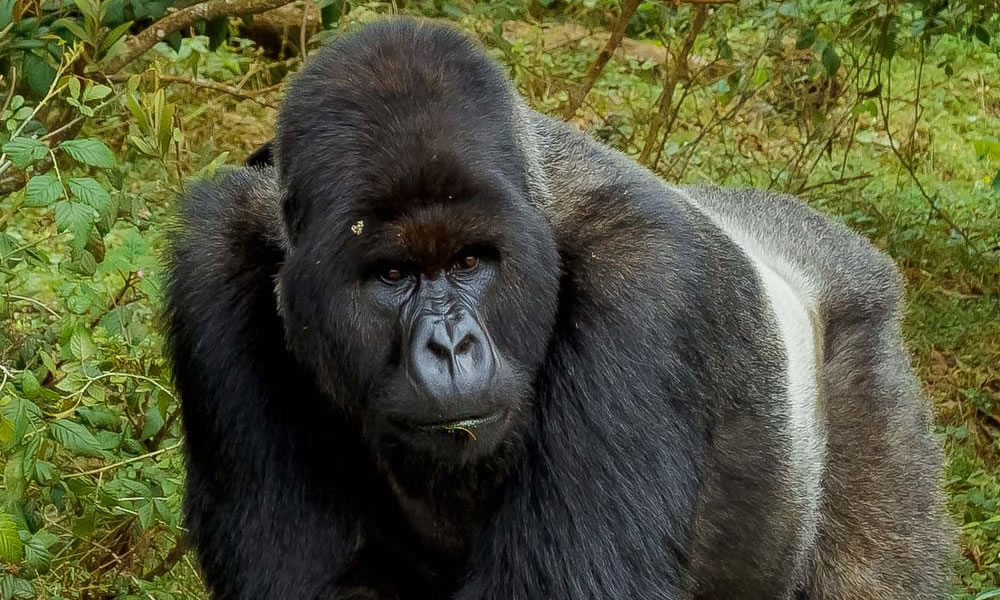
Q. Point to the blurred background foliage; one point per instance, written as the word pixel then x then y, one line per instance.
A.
pixel 884 113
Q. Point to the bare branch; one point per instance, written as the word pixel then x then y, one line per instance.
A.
pixel 147 38
pixel 594 71
pixel 678 72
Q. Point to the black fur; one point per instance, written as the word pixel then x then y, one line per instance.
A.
pixel 648 455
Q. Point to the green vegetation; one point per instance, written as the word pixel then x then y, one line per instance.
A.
pixel 885 114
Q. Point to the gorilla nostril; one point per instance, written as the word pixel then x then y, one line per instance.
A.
pixel 438 350
pixel 465 345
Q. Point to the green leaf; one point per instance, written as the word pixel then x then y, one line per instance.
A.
pixel 725 50
pixel 11 548
pixel 76 218
pixel 22 151
pixel 75 438
pixel 989 595
pixel 97 92
pixel 330 13
pixel 981 34
pixel 24 414
pixel 217 30
pixel 6 16
pixel 75 28
pixel 74 88
pixel 16 588
pixel 830 60
pixel 38 74
pixel 16 102
pixel 152 423
pixel 41 191
pixel 83 263
pixel 6 431
pixel 99 416
pixel 29 384
pixel 806 38
pixel 87 8
pixel 13 478
pixel 996 182
pixel 81 346
pixel 146 514
pixel 453 11
pixel 91 192
pixel 36 551
pixel 89 151
pixel 115 35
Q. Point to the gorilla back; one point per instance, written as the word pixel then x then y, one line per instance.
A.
pixel 447 347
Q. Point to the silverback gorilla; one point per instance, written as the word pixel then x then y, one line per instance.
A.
pixel 447 347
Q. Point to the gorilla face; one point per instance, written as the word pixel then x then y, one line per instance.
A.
pixel 410 302
pixel 412 310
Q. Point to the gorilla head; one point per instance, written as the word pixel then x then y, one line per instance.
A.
pixel 414 242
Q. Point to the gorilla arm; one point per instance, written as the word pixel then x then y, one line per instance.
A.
pixel 261 504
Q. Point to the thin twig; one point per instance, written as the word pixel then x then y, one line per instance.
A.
pixel 251 95
pixel 678 71
pixel 37 303
pixel 124 462
pixel 594 71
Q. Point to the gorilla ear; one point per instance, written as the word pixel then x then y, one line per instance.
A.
pixel 261 157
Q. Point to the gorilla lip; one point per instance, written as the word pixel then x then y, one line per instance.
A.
pixel 468 423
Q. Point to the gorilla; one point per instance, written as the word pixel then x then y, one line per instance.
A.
pixel 434 344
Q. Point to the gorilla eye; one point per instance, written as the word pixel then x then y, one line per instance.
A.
pixel 392 276
pixel 466 263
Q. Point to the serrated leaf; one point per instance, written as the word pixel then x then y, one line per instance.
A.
pixel 6 430
pixel 97 92
pixel 29 384
pixel 22 151
pixel 11 548
pixel 41 191
pixel 36 551
pixel 81 346
pixel 44 471
pixel 16 588
pixel 75 438
pixel 146 514
pixel 83 263
pixel 90 152
pixel 830 60
pixel 99 416
pixel 76 218
pixel 13 479
pixel 90 191
pixel 74 88
pixel 24 414
pixel 152 423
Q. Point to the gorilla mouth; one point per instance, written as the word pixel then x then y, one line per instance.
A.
pixel 466 424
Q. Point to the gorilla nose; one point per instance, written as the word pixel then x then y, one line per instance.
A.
pixel 451 359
